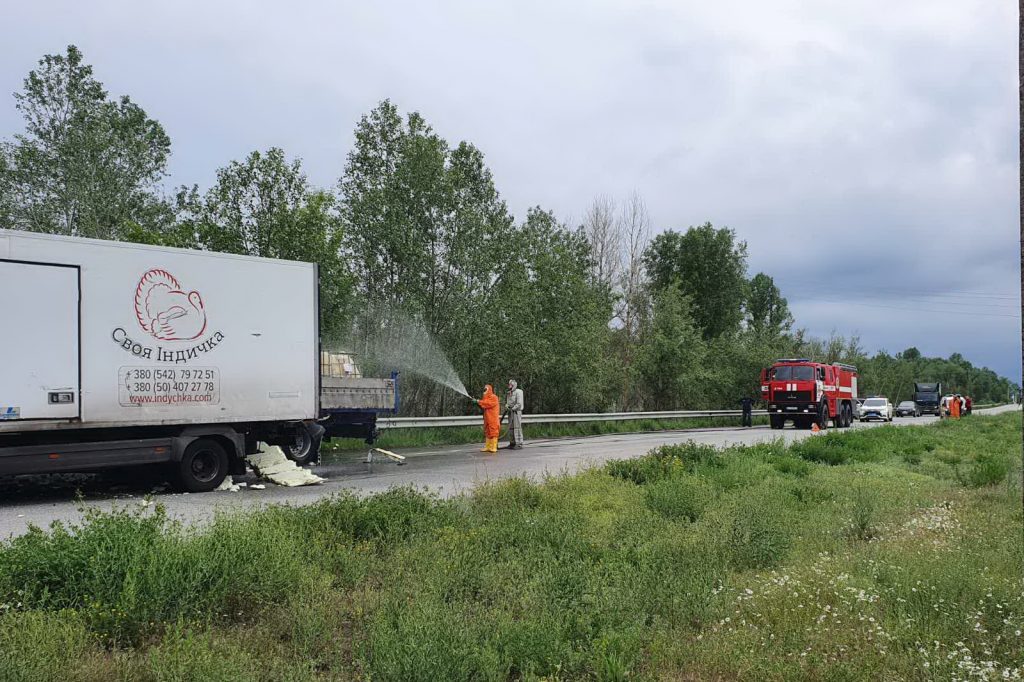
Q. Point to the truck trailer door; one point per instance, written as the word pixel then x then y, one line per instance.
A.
pixel 38 341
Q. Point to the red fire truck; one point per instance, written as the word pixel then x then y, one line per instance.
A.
pixel 807 392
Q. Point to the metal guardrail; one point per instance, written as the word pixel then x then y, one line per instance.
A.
pixel 474 420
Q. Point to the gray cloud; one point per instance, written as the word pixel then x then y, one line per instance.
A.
pixel 851 144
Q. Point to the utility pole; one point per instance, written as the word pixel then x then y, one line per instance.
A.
pixel 1020 170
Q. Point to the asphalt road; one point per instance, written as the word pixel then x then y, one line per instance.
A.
pixel 447 471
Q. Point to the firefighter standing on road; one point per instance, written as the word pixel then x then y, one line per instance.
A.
pixel 514 410
pixel 748 407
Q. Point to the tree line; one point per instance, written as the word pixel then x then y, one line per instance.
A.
pixel 599 316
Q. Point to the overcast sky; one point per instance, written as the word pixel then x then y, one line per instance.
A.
pixel 865 150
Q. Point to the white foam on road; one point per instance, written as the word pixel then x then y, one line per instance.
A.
pixel 272 465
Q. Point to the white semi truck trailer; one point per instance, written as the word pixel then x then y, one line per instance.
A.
pixel 115 354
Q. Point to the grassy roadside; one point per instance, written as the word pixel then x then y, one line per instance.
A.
pixel 887 552
pixel 459 435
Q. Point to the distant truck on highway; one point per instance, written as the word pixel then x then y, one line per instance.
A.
pixel 927 396
pixel 119 354
pixel 808 393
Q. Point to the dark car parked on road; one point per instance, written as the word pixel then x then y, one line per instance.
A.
pixel 907 408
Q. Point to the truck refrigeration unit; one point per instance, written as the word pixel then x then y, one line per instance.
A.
pixel 807 393
pixel 119 354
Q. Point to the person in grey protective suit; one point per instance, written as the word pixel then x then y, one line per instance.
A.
pixel 514 410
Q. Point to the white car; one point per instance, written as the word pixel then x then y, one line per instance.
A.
pixel 857 404
pixel 876 408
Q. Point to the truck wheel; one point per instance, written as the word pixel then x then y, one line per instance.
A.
pixel 823 417
pixel 305 447
pixel 776 422
pixel 203 466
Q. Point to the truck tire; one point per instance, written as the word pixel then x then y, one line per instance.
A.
pixel 305 448
pixel 839 421
pixel 776 422
pixel 203 466
pixel 822 416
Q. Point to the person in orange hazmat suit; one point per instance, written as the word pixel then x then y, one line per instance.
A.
pixel 492 427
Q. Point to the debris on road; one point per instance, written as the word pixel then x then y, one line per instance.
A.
pixel 398 459
pixel 272 465
pixel 228 485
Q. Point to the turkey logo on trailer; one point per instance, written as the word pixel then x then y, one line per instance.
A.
pixel 165 310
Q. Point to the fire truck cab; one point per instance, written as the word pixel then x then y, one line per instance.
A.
pixel 807 393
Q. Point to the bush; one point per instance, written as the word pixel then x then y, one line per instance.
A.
pixel 497 497
pixel 911 457
pixel 739 471
pixel 756 536
pixel 824 449
pixel 39 647
pixel 664 462
pixel 864 513
pixel 681 498
pixel 189 652
pixel 987 469
pixel 127 571
pixel 793 466
pixel 396 514
pixel 841 447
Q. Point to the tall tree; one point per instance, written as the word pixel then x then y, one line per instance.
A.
pixel 710 266
pixel 632 304
pixel 546 321
pixel 670 358
pixel 85 165
pixel 603 231
pixel 264 206
pixel 427 231
pixel 425 221
pixel 766 309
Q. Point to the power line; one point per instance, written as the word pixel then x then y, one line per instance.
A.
pixel 916 310
pixel 1003 306
pixel 953 293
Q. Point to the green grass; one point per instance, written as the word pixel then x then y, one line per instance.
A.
pixel 460 435
pixel 891 553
